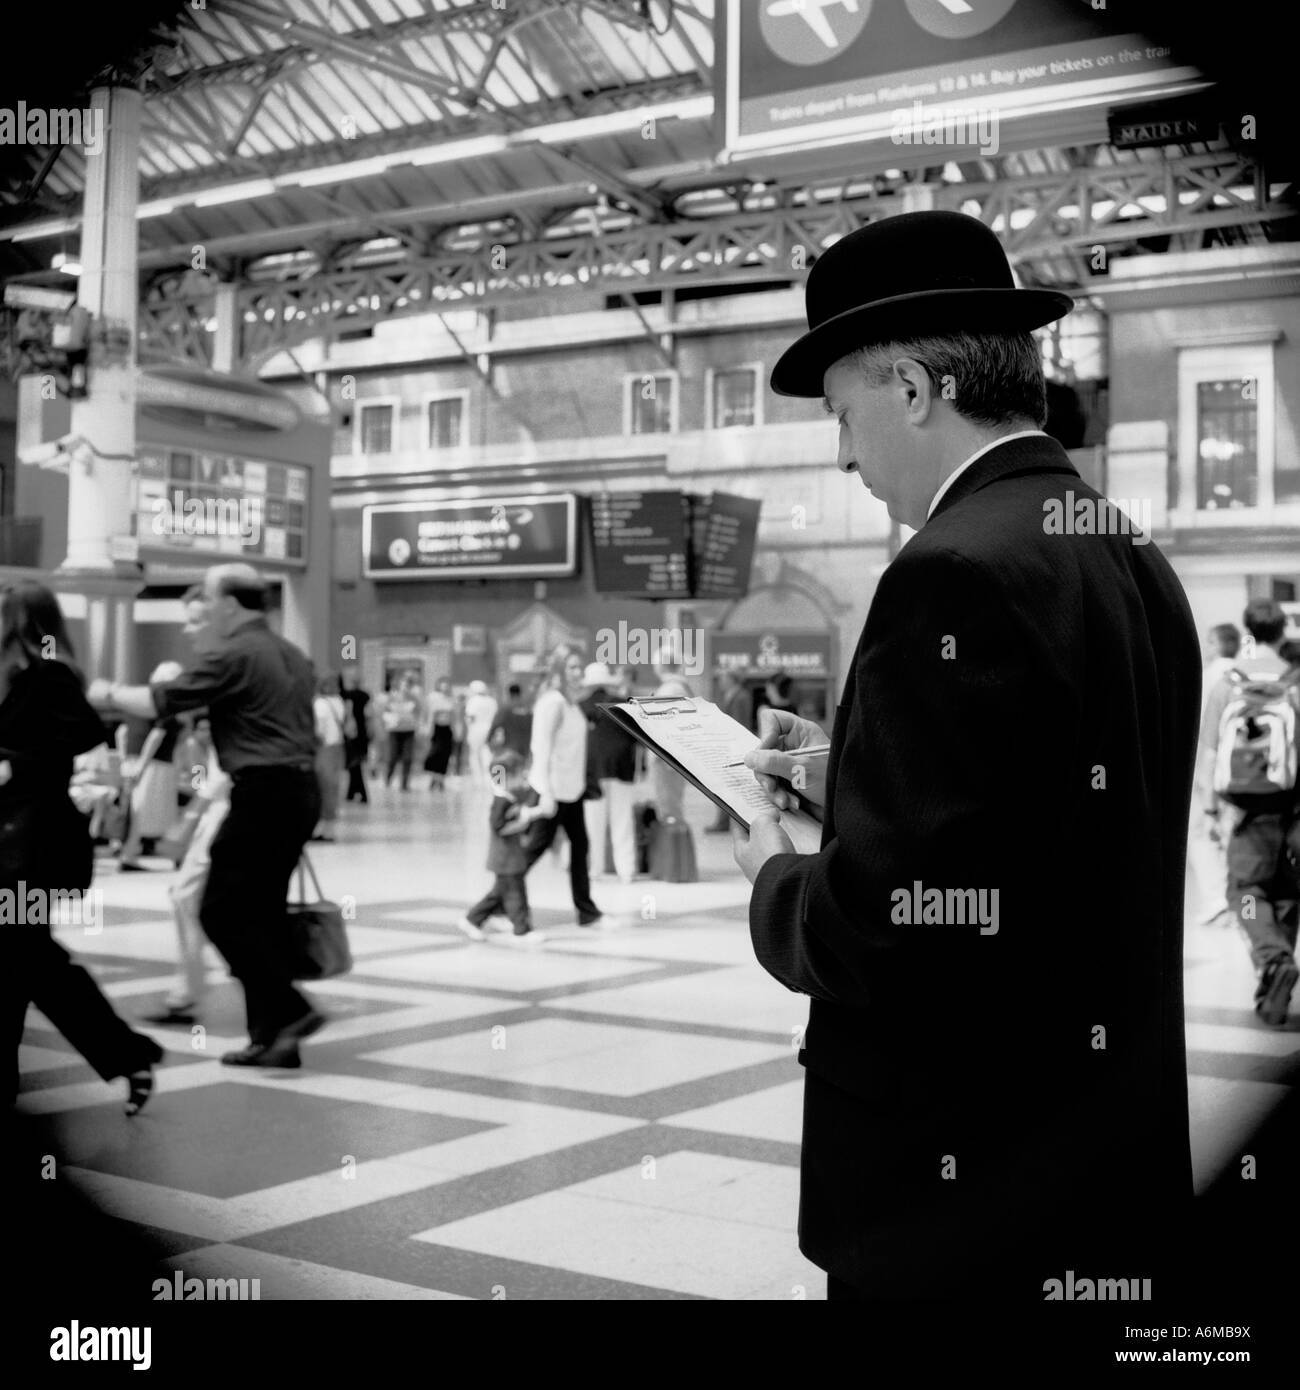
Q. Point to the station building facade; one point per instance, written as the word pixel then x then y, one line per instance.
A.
pixel 589 393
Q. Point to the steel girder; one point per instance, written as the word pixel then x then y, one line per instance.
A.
pixel 1045 222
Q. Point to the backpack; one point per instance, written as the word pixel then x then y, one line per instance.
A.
pixel 1258 738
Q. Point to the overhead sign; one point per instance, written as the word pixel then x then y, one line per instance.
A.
pixel 639 543
pixel 502 537
pixel 934 72
pixel 1160 126
pixel 726 527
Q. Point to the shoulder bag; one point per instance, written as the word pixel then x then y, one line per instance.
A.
pixel 317 940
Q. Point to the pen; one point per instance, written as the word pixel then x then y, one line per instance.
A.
pixel 794 752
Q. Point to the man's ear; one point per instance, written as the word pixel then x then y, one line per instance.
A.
pixel 915 388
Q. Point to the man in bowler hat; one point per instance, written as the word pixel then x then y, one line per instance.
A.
pixel 991 934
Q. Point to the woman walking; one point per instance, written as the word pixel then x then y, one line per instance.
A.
pixel 331 729
pixel 442 712
pixel 45 721
pixel 400 716
pixel 559 773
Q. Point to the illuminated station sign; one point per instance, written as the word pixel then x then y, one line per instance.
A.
pixel 501 537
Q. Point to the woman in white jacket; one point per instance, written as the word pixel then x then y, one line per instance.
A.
pixel 331 729
pixel 559 773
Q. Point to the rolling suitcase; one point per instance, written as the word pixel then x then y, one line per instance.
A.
pixel 672 852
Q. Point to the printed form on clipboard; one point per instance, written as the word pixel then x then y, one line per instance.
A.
pixel 698 740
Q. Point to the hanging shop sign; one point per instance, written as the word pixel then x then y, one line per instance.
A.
pixel 767 653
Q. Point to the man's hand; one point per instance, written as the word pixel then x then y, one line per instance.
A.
pixel 166 671
pixel 753 848
pixel 782 733
pixel 547 808
pixel 98 692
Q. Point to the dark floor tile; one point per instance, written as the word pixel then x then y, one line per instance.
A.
pixel 225 1140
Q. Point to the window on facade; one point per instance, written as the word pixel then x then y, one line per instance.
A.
pixel 734 396
pixel 1227 444
pixel 445 423
pixel 652 404
pixel 376 429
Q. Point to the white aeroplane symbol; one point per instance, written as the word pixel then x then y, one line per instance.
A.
pixel 811 12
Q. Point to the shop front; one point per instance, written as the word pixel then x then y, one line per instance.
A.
pixel 760 658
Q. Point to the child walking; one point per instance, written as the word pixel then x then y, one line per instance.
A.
pixel 514 808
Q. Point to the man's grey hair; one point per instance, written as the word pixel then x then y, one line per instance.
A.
pixel 989 378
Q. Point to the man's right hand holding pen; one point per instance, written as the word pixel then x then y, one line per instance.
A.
pixel 789 780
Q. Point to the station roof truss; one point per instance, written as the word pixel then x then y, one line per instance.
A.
pixel 346 161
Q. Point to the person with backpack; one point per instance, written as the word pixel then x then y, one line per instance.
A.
pixel 1206 848
pixel 1248 760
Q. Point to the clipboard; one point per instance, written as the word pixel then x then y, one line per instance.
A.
pixel 696 739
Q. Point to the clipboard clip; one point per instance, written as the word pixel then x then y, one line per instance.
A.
pixel 675 703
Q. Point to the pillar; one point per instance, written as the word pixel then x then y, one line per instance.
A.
pixel 100 481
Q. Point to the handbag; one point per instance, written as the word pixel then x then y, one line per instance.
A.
pixel 317 940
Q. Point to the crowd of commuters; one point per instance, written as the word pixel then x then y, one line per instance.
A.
pixel 243 762
pixel 262 746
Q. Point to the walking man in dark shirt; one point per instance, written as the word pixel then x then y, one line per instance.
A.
pixel 257 689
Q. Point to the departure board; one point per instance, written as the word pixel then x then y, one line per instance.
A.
pixel 725 530
pixel 640 543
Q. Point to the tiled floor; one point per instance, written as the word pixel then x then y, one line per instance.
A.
pixel 614 1115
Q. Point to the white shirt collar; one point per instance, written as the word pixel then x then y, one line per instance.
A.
pixel 979 454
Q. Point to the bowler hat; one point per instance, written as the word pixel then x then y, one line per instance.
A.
pixel 899 277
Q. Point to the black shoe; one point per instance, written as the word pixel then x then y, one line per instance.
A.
pixel 169 1018
pixel 139 1083
pixel 311 1022
pixel 276 1054
pixel 139 1087
pixel 1274 1001
pixel 589 919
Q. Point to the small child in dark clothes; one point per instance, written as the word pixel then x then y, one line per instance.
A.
pixel 514 808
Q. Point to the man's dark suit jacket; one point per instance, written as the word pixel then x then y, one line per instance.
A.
pixel 984 1112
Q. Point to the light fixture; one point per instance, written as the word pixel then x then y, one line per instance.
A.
pixel 614 122
pixel 234 193
pixel 340 173
pixel 158 207
pixel 451 150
